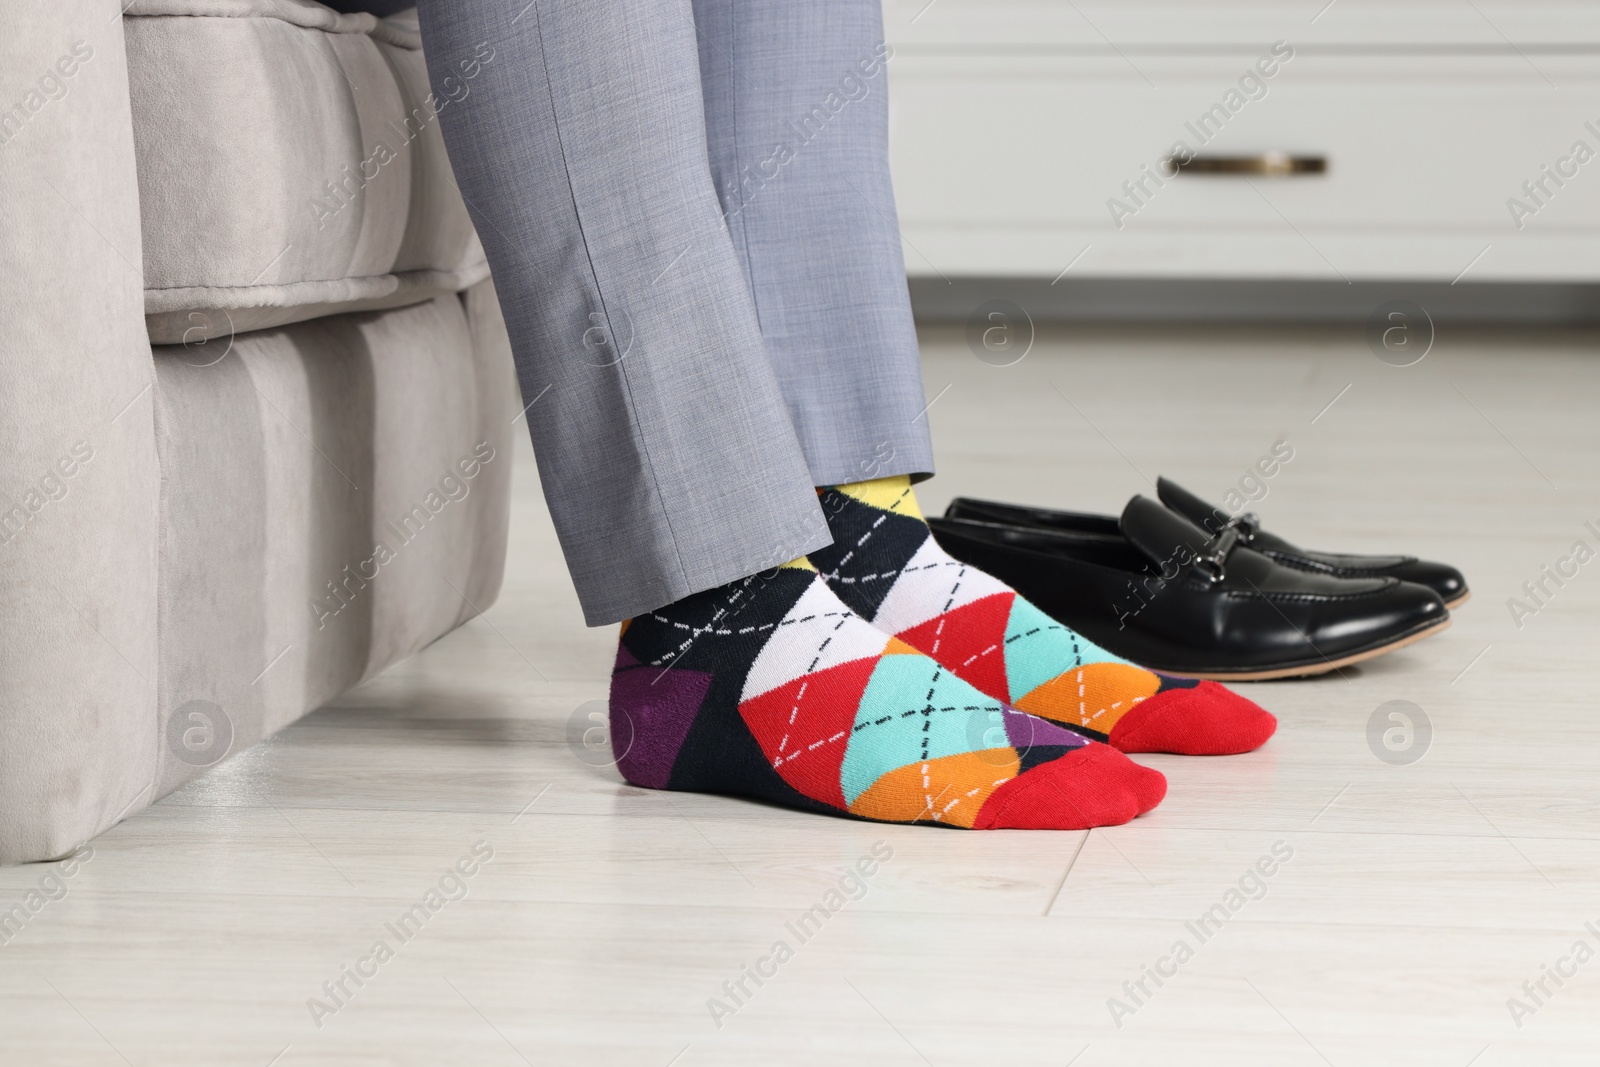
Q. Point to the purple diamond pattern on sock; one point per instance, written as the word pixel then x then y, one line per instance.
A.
pixel 661 705
pixel 1026 731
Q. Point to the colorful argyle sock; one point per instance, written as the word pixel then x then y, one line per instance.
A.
pixel 769 687
pixel 885 564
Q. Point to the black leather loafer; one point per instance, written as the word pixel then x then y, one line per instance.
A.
pixel 1154 588
pixel 1445 580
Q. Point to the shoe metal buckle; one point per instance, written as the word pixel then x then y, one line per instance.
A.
pixel 1213 558
pixel 1247 524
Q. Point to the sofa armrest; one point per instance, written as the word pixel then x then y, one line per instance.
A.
pixel 78 475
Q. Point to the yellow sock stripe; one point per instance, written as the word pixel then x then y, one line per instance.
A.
pixel 893 495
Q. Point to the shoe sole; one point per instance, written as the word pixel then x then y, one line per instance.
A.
pixel 1307 670
pixel 1458 601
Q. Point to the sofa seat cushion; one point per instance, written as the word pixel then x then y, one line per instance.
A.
pixel 335 495
pixel 290 164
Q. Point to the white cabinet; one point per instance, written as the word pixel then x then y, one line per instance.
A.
pixel 1460 139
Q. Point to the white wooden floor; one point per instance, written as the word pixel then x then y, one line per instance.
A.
pixel 1418 898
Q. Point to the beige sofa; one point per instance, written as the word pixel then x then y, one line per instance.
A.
pixel 256 400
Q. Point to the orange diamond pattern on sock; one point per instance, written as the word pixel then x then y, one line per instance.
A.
pixel 1096 695
pixel 951 790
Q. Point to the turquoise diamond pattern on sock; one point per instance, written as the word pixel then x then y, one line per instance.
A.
pixel 893 727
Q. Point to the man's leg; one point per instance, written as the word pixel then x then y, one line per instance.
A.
pixel 663 442
pixel 797 126
pixel 671 464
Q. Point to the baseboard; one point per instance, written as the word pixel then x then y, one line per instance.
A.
pixel 1245 300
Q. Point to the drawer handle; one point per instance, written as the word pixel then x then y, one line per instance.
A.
pixel 1270 164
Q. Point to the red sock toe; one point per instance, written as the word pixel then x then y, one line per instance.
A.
pixel 1091 786
pixel 1150 788
pixel 1205 720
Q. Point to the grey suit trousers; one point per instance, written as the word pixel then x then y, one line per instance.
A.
pixel 687 211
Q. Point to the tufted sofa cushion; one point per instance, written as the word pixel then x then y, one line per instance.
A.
pixel 290 165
